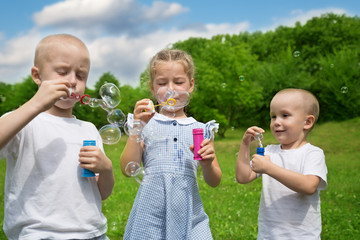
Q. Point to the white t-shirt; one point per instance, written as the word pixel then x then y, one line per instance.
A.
pixel 284 213
pixel 45 195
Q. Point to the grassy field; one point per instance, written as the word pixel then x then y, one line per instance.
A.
pixel 233 208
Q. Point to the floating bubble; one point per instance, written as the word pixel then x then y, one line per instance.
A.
pixel 296 53
pixel 331 65
pixel 344 89
pixel 168 111
pixel 170 99
pixel 110 93
pixel 126 128
pixel 139 177
pixel 116 116
pixel 105 106
pixel 110 134
pixel 94 103
pixel 134 170
pixel 131 168
pixel 241 78
pixel 223 85
pixel 135 132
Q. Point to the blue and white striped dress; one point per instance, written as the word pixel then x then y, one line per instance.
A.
pixel 168 204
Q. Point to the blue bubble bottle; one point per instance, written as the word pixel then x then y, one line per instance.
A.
pixel 86 172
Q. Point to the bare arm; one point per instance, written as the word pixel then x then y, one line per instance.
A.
pixel 305 184
pixel 133 150
pixel 48 93
pixel 244 173
pixel 93 159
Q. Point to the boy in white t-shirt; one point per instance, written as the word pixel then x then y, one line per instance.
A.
pixel 292 173
pixel 45 195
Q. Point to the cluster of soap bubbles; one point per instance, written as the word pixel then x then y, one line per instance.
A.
pixel 110 98
pixel 169 101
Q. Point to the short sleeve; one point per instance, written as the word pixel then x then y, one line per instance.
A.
pixel 210 128
pixel 315 165
pixel 12 146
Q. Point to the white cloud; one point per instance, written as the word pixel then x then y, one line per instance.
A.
pixel 106 16
pixel 128 57
pixel 302 17
pixel 16 57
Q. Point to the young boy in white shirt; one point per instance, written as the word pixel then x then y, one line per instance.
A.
pixel 293 172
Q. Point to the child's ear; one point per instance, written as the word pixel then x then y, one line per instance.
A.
pixel 309 122
pixel 192 85
pixel 35 74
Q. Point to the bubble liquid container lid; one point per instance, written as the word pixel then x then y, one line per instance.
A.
pixel 86 172
pixel 198 137
pixel 260 151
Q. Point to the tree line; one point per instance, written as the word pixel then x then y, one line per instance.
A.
pixel 237 75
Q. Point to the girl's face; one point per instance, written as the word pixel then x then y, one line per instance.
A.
pixel 173 76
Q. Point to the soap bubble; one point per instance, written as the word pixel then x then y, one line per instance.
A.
pixel 105 106
pixel 110 134
pixel 126 128
pixel 116 116
pixel 241 78
pixel 110 93
pixel 296 54
pixel 131 168
pixel 223 85
pixel 94 103
pixel 134 170
pixel 344 89
pixel 135 132
pixel 172 99
pixel 331 65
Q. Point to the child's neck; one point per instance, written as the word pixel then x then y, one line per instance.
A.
pixel 59 112
pixel 293 145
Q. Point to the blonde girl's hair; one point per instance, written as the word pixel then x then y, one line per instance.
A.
pixel 175 55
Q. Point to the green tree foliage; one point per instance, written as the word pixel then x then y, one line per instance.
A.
pixel 237 75
pixel 13 96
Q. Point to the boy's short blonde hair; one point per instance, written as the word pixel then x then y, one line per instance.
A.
pixel 310 103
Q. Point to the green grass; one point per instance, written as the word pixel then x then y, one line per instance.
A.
pixel 233 207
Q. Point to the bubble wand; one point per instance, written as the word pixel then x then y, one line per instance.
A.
pixel 260 150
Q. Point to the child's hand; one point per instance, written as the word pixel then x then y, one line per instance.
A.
pixel 93 159
pixel 207 152
pixel 139 111
pixel 250 133
pixel 260 164
pixel 49 93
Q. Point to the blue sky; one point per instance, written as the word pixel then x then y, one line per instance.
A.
pixel 122 35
